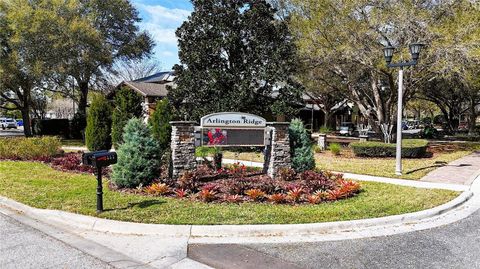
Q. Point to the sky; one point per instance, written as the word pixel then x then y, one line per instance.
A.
pixel 161 18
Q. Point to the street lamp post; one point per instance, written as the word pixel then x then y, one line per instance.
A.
pixel 415 49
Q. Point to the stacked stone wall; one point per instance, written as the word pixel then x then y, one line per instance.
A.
pixel 183 147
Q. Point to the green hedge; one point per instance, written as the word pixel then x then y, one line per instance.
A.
pixel 51 127
pixel 411 148
pixel 29 148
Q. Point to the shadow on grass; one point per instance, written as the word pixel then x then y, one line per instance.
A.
pixel 437 164
pixel 143 204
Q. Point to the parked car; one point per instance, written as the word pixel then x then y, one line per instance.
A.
pixel 7 123
pixel 347 128
pixel 463 126
pixel 414 124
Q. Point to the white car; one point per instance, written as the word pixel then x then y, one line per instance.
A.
pixel 8 123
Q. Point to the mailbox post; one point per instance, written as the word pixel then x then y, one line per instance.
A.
pixel 99 159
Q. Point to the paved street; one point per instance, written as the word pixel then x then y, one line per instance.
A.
pixel 11 132
pixel 24 247
pixel 453 246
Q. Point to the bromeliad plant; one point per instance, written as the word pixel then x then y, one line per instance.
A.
pixel 235 184
pixel 157 189
pixel 255 194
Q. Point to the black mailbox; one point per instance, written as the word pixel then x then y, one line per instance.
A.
pixel 101 159
pixel 87 158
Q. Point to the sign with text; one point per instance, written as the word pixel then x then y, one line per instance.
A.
pixel 233 129
pixel 233 120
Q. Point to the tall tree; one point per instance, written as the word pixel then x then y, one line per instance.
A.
pixel 95 35
pixel 456 54
pixel 23 57
pixel 344 39
pixel 325 93
pixel 235 55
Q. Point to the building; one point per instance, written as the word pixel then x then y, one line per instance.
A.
pixel 151 88
pixel 154 88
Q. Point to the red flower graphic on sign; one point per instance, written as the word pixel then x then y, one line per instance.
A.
pixel 217 137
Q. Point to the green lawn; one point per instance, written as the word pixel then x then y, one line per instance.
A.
pixel 38 185
pixel 385 167
pixel 72 143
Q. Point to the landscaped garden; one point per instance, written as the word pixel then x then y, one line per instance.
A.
pixel 38 185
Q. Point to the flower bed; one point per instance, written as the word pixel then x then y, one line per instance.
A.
pixel 238 184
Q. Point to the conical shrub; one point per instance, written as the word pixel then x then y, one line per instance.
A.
pixel 138 156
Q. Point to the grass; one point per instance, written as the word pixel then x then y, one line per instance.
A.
pixel 385 167
pixel 73 143
pixel 244 156
pixel 38 185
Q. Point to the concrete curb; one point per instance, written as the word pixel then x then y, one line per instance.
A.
pixel 285 230
pixel 88 223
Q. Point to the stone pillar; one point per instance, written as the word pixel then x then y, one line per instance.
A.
pixel 183 147
pixel 322 141
pixel 277 154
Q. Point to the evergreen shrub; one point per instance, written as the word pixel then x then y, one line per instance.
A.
pixel 411 148
pixel 51 127
pixel 127 105
pixel 160 124
pixel 99 123
pixel 300 147
pixel 138 157
pixel 78 125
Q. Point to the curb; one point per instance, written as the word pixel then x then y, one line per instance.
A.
pixel 88 223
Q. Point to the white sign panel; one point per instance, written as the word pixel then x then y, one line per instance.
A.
pixel 233 120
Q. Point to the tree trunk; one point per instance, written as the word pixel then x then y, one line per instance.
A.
pixel 472 119
pixel 25 109
pixel 82 104
pixel 326 119
pixel 27 127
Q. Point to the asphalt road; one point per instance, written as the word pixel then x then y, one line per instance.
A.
pixel 11 132
pixel 24 247
pixel 453 246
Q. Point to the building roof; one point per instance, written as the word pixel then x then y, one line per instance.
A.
pixel 162 77
pixel 148 89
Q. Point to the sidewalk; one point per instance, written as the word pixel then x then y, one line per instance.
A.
pixel 462 171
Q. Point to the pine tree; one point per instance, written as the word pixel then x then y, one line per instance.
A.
pixel 138 156
pixel 99 122
pixel 300 147
pixel 127 105
pixel 160 124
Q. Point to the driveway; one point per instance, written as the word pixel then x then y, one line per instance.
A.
pixel 452 246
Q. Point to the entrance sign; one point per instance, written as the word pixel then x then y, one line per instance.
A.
pixel 232 129
pixel 233 119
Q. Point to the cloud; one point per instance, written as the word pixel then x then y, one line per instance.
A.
pixel 162 22
pixel 165 16
pixel 159 34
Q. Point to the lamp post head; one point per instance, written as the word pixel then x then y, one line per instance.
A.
pixel 415 49
pixel 388 53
